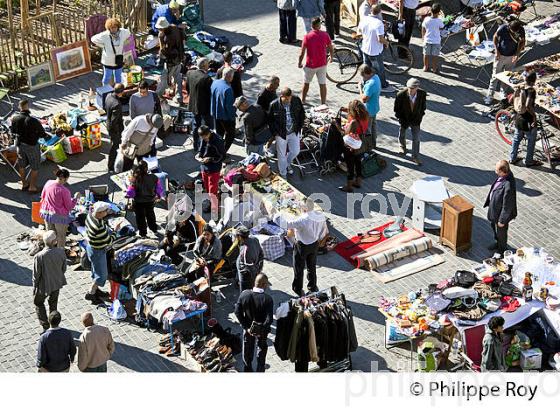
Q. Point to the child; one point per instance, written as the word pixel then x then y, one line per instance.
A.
pixel 431 27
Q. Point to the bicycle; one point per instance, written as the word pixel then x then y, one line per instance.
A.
pixel 345 62
pixel 505 127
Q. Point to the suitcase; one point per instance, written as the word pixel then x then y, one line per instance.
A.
pixel 370 164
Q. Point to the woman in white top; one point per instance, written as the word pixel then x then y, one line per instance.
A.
pixel 112 41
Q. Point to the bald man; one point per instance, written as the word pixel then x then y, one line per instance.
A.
pixel 96 346
pixel 502 205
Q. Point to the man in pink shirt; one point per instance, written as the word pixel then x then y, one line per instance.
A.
pixel 315 44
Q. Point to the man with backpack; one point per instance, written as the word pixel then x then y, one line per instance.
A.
pixel 525 121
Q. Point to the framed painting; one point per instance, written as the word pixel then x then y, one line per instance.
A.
pixel 40 76
pixel 71 60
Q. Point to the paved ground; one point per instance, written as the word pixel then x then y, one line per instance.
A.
pixel 458 143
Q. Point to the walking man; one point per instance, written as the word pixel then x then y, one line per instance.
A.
pixel 198 88
pixel 410 107
pixel 314 44
pixel 115 124
pixel 254 312
pixel 28 130
pixel 171 51
pixel 255 126
pixel 407 13
pixel 56 349
pixel 332 17
pixel 221 107
pixel 502 205
pixel 49 267
pixel 370 90
pixel 96 346
pixel 309 229
pixel 250 260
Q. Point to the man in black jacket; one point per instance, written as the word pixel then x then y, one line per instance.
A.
pixel 56 349
pixel 115 125
pixel 410 107
pixel 198 88
pixel 28 130
pixel 255 125
pixel 286 116
pixel 502 205
pixel 255 306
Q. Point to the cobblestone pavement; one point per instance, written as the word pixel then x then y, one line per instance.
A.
pixel 458 143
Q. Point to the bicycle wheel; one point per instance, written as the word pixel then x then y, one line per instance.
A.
pixel 505 125
pixel 344 66
pixel 397 59
pixel 544 135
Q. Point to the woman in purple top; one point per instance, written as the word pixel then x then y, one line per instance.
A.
pixel 56 204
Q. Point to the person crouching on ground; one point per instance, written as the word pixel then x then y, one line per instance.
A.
pixel 207 251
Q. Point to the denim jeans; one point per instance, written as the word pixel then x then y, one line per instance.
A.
pixel 376 62
pixel 98 369
pixel 99 269
pixel 109 73
pixel 307 24
pixel 415 130
pixel 287 149
pixel 531 136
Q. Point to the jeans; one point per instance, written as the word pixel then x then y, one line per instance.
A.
pixel 171 72
pixel 109 73
pixel 307 24
pixel 99 268
pixel 115 143
pixel 98 369
pixel 305 255
pixel 415 129
pixel 226 129
pixel 285 158
pixel 504 63
pixel 249 351
pixel 39 302
pixel 60 230
pixel 353 163
pixel 376 62
pixel 258 149
pixel 145 217
pixel 288 25
pixel 500 234
pixel 531 136
pixel 409 16
pixel 332 19
pixel 200 119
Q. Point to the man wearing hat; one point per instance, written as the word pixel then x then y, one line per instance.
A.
pixel 255 125
pixel 171 12
pixel 99 238
pixel 410 107
pixel 138 138
pixel 250 260
pixel 171 52
pixel 254 312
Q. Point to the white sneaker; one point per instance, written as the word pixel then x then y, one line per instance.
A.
pixel 388 89
pixel 488 100
pixel 290 170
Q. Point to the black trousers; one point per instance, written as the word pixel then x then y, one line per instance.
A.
pixel 305 255
pixel 129 163
pixel 115 143
pixel 200 119
pixel 354 165
pixel 227 130
pixel 409 16
pixel 145 217
pixel 39 302
pixel 288 25
pixel 500 234
pixel 332 18
pixel 249 342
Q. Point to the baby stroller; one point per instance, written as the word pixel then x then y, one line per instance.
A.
pixel 331 147
pixel 309 152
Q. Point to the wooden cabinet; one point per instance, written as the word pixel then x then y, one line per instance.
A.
pixel 456 223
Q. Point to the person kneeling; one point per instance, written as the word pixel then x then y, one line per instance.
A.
pixel 207 251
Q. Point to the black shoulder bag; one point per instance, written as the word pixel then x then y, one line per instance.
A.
pixel 119 58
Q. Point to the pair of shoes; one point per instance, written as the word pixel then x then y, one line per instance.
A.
pixel 290 170
pixel 533 164
pixel 283 40
pixel 515 161
pixel 388 89
pixel 93 298
pixel 417 161
pixel 488 100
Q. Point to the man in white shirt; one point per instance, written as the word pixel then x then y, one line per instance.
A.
pixel 373 39
pixel 309 229
pixel 141 132
pixel 407 12
pixel 365 9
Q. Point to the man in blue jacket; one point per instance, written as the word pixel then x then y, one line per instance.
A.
pixel 221 106
pixel 308 9
pixel 172 13
pixel 56 349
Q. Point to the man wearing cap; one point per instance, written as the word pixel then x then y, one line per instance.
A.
pixel 221 106
pixel 250 260
pixel 171 12
pixel 138 138
pixel 255 125
pixel 254 312
pixel 99 238
pixel 171 51
pixel 199 86
pixel 211 155
pixel 410 107
pixel 49 267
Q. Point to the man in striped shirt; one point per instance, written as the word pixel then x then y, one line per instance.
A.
pixel 99 239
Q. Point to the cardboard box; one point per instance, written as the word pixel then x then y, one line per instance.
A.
pixel 531 359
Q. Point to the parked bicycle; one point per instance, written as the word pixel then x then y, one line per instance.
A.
pixel 346 61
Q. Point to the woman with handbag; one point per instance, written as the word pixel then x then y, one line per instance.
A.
pixel 145 190
pixel 112 41
pixel 355 131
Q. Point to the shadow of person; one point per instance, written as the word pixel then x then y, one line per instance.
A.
pixel 14 273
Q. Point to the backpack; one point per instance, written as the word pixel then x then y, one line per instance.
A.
pixel 464 278
pixel 520 100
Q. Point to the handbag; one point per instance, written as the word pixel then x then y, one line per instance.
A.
pixel 257 329
pixel 119 58
pixel 130 151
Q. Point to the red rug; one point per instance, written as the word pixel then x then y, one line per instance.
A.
pixel 347 254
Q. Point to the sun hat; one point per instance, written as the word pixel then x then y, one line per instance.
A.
pixel 352 142
pixel 162 23
pixel 413 83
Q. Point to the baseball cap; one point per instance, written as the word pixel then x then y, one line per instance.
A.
pixel 413 83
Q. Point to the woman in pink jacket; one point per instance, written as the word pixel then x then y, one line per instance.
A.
pixel 56 204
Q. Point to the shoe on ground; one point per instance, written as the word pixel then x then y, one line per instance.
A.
pixel 89 296
pixel 533 164
pixel 290 170
pixel 402 150
pixel 417 161
pixel 101 294
pixel 388 89
pixel 488 100
pixel 345 188
pixel 283 40
pixel 515 161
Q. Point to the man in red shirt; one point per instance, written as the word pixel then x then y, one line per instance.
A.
pixel 315 44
